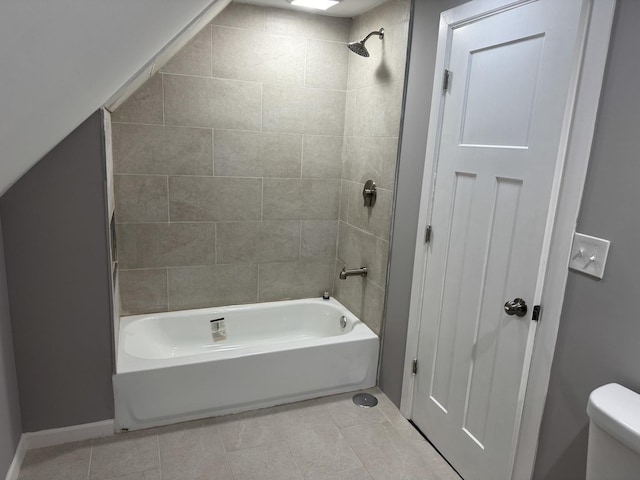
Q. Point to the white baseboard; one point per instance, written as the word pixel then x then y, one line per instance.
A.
pixel 57 436
pixel 14 468
pixel 74 433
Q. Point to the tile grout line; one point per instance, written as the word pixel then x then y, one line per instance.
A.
pixel 159 455
pixel 301 155
pixel 300 243
pixel 90 459
pixel 294 459
pixel 213 152
pixel 276 34
pixel 271 84
pixel 258 282
pixel 211 47
pixel 162 85
pixel 167 279
pixel 215 243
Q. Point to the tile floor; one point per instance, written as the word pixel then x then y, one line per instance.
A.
pixel 323 439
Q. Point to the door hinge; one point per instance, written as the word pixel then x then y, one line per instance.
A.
pixel 446 80
pixel 535 316
pixel 427 234
pixel 414 368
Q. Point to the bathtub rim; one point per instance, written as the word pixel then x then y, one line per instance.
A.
pixel 127 363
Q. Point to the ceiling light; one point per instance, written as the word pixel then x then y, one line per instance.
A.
pixel 317 4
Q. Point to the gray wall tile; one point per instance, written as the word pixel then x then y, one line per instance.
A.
pixel 143 291
pixel 162 150
pixel 378 110
pixel 212 286
pixel 370 157
pixel 303 110
pixel 144 106
pixel 148 245
pixel 389 13
pixel 355 247
pixel 301 199
pixel 322 157
pixel 301 24
pixel 344 200
pixel 253 154
pixel 257 242
pixel 376 219
pixel 282 281
pixel 327 65
pixel 319 238
pixel 212 102
pixel 258 56
pixel 214 198
pixel 194 58
pixel 373 307
pixel 279 113
pixel 141 198
pixel 350 112
pixel 241 15
pixel 378 272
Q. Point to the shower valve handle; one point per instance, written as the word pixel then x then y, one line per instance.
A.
pixel 370 192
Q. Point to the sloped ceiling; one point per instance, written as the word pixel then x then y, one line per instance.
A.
pixel 60 60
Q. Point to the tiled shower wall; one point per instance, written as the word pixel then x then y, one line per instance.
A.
pixel 228 165
pixel 374 103
pixel 233 182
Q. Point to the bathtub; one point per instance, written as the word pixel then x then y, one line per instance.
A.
pixel 180 366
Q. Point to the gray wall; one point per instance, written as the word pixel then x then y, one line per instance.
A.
pixel 54 227
pixel 10 426
pixel 234 150
pixel 599 337
pixel 423 43
pixel 374 102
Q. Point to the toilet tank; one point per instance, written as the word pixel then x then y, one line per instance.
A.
pixel 614 434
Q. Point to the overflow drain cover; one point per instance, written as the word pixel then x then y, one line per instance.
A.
pixel 365 400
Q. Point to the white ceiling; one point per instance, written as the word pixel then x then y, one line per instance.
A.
pixel 346 8
pixel 62 60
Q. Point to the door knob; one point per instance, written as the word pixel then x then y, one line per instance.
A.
pixel 516 307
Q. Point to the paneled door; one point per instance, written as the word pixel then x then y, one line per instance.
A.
pixel 506 104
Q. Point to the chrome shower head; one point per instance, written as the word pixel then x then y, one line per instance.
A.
pixel 359 48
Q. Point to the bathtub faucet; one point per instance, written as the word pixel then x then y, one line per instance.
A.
pixel 349 273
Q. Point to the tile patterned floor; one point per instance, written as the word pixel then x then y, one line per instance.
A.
pixel 323 439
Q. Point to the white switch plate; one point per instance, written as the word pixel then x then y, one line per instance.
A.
pixel 589 254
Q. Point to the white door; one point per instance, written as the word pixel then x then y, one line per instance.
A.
pixel 499 161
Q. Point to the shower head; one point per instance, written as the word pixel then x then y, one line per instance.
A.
pixel 359 48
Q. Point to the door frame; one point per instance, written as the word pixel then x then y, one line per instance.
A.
pixel 575 149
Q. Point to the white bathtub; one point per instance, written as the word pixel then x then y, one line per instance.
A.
pixel 180 366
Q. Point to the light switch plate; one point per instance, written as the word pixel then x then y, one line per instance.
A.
pixel 589 254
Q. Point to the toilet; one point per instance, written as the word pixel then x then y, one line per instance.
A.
pixel 614 434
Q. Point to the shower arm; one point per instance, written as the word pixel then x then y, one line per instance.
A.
pixel 380 33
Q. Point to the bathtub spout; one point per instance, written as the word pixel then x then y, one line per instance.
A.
pixel 349 273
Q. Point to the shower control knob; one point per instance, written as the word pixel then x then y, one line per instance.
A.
pixel 516 307
pixel 370 192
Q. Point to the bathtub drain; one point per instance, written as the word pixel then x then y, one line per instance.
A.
pixel 365 400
